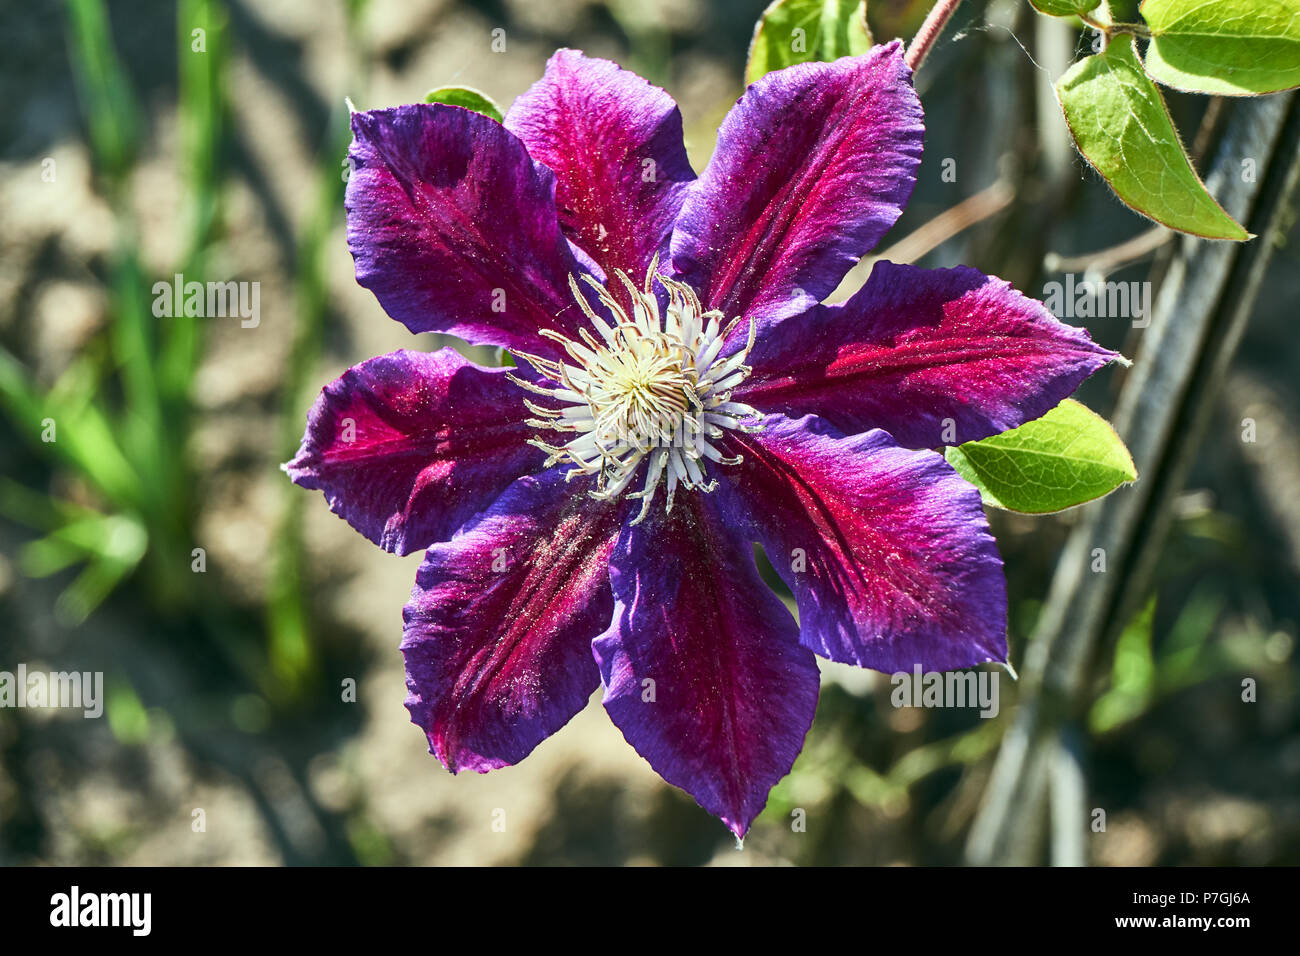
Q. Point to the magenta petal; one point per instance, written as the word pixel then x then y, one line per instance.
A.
pixel 453 227
pixel 499 626
pixel 409 445
pixel 614 142
pixel 886 549
pixel 702 669
pixel 933 356
pixel 813 164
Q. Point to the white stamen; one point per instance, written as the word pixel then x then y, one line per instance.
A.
pixel 648 386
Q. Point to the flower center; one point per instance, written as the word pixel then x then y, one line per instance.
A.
pixel 650 387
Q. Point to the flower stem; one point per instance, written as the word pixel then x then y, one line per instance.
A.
pixel 1109 29
pixel 929 32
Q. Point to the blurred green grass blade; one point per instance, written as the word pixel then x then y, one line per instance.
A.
pixel 111 545
pixel 133 340
pixel 80 434
pixel 963 749
pixel 35 510
pixel 79 383
pixel 127 718
pixel 116 539
pixel 70 544
pixel 1185 657
pixel 201 57
pixel 113 117
pixel 107 101
pixel 48 555
pixel 89 589
pixel 1133 675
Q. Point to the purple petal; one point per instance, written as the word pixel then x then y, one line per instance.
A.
pixel 933 356
pixel 409 445
pixel 886 549
pixel 732 692
pixel 813 164
pixel 499 626
pixel 453 227
pixel 614 142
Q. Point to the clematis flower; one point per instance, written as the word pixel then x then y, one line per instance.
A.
pixel 679 395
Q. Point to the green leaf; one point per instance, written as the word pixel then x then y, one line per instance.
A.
pixel 805 31
pixel 1069 456
pixel 1065 8
pixel 467 97
pixel 1123 129
pixel 1224 47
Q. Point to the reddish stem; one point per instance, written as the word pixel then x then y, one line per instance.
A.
pixel 934 23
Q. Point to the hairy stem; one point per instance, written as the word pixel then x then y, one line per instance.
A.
pixel 925 37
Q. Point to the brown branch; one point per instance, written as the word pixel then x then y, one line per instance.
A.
pixel 929 236
pixel 1105 261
